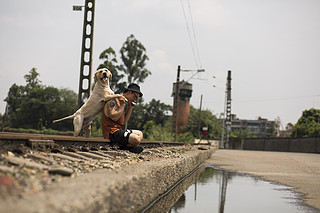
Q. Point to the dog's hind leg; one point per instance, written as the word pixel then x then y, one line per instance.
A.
pixel 86 126
pixel 77 124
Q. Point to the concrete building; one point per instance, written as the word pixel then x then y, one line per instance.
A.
pixel 257 127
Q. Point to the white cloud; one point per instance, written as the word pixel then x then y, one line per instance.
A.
pixel 208 13
pixel 159 61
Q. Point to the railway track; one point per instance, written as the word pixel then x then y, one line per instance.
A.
pixel 30 162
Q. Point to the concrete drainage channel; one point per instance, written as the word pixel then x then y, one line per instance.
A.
pixel 126 189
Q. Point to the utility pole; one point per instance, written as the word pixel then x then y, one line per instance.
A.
pixel 223 123
pixel 175 106
pixel 228 114
pixel 86 53
pixel 199 117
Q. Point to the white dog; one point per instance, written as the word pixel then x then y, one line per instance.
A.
pixel 101 93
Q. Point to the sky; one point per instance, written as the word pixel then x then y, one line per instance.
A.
pixel 272 48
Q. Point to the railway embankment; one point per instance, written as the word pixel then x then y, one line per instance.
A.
pixel 41 174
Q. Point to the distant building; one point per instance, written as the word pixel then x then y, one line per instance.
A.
pixel 257 127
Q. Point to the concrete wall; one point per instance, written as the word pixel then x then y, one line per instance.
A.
pixel 307 145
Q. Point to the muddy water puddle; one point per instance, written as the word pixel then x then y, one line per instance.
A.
pixel 210 189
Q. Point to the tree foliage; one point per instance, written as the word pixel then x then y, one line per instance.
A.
pixel 132 69
pixel 308 124
pixel 134 60
pixel 157 132
pixel 208 119
pixel 154 110
pixel 242 133
pixel 154 132
pixel 35 105
pixel 110 62
pixel 162 131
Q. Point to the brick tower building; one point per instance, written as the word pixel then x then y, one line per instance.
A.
pixel 180 115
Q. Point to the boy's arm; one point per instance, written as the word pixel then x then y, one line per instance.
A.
pixel 128 113
pixel 113 110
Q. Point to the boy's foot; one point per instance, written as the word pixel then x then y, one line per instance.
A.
pixel 135 149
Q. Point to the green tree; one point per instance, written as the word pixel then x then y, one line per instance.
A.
pixel 156 111
pixel 157 132
pixel 271 129
pixel 242 133
pixel 208 119
pixel 134 60
pixel 110 62
pixel 35 106
pixel 65 105
pixel 154 132
pixel 137 118
pixel 32 79
pixel 308 124
pixel 152 111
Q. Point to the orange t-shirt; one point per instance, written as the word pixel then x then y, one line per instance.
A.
pixel 109 125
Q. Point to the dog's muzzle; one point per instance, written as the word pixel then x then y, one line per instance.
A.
pixel 104 77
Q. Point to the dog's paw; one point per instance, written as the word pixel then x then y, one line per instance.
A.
pixel 122 98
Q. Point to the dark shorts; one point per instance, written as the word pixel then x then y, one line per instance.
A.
pixel 120 137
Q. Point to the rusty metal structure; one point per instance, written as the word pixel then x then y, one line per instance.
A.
pixel 86 53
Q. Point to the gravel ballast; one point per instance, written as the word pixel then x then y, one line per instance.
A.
pixel 128 186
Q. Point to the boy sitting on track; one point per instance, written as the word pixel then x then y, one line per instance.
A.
pixel 115 116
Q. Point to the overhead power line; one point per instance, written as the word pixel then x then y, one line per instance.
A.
pixel 192 36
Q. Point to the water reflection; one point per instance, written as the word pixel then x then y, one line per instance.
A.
pixel 223 190
pixel 213 190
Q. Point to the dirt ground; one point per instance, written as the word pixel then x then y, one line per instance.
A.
pixel 299 170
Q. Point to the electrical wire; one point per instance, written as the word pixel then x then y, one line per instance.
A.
pixel 193 41
pixel 194 35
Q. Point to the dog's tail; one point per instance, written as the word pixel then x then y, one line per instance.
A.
pixel 65 118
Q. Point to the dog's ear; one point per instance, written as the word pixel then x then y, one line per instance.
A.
pixel 95 75
pixel 110 75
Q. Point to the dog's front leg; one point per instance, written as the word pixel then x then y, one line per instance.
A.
pixel 109 97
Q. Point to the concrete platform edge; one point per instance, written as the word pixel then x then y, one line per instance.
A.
pixel 127 189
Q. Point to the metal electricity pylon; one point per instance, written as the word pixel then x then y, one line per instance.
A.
pixel 86 52
pixel 228 115
pixel 227 121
